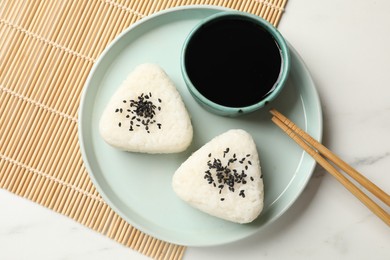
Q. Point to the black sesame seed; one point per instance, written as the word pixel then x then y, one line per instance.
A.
pixel 119 124
pixel 117 110
pixel 225 173
pixel 251 178
pixel 124 101
pixel 159 100
pixel 222 199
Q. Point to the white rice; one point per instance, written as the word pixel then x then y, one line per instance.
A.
pixel 190 183
pixel 169 130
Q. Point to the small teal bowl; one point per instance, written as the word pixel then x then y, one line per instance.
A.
pixel 279 84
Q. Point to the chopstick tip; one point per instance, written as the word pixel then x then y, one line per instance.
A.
pixel 273 111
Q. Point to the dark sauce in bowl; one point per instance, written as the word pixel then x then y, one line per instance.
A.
pixel 233 62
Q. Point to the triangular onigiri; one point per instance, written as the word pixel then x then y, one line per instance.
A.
pixel 146 114
pixel 223 178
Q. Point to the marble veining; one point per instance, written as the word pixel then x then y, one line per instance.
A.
pixel 370 160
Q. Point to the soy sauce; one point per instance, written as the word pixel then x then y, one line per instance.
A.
pixel 233 62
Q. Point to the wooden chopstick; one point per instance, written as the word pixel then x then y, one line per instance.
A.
pixel 316 149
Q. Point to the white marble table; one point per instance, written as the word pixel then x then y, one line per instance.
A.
pixel 345 44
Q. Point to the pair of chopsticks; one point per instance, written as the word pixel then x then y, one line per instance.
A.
pixel 320 153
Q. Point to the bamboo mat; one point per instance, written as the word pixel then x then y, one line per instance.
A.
pixel 47 49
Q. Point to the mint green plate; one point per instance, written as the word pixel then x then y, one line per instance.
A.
pixel 138 186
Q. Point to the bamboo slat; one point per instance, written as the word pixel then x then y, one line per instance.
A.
pixel 47 49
